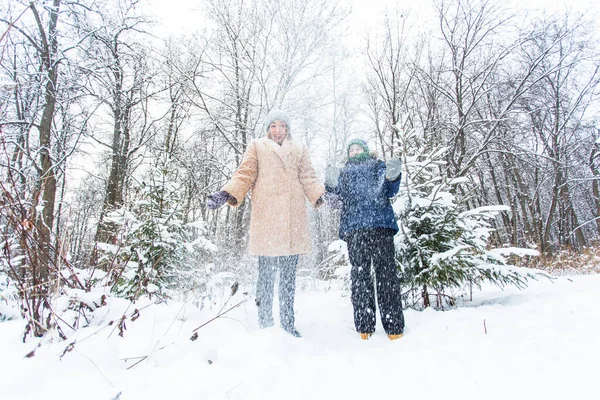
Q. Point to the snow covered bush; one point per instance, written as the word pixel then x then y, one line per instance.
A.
pixel 9 299
pixel 156 250
pixel 442 246
pixel 336 265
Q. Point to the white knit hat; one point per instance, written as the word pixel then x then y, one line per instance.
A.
pixel 277 115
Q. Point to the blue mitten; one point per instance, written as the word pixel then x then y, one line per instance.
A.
pixel 393 169
pixel 217 199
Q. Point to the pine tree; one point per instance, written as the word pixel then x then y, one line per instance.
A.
pixel 442 246
pixel 154 241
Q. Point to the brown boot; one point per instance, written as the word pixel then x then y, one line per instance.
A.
pixel 394 337
pixel 366 335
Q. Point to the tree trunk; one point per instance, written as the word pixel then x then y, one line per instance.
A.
pixel 425 296
pixel 116 180
pixel 44 225
pixel 596 178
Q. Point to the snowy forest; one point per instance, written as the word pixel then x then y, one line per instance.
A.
pixel 113 135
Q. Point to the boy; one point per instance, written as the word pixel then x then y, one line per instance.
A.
pixel 368 226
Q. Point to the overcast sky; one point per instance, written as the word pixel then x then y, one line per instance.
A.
pixel 180 16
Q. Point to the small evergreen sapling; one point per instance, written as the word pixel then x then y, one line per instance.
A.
pixel 442 246
pixel 154 242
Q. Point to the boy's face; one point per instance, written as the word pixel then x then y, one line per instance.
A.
pixel 278 131
pixel 355 150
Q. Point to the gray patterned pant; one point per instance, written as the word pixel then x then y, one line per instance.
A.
pixel 287 289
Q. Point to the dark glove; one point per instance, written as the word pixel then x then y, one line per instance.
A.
pixel 333 200
pixel 393 169
pixel 217 199
pixel 332 175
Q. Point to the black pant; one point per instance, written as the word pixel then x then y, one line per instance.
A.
pixel 375 246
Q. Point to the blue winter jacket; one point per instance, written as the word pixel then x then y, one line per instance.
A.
pixel 365 195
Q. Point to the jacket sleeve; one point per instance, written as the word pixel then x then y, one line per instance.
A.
pixel 391 187
pixel 312 186
pixel 244 176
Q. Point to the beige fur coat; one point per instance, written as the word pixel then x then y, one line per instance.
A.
pixel 281 179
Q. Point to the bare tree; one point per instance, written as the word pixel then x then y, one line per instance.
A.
pixel 484 89
pixel 260 55
pixel 36 58
pixel 120 79
pixel 392 61
pixel 557 108
pixel 594 164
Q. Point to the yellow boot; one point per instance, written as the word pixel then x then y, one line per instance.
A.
pixel 366 335
pixel 394 337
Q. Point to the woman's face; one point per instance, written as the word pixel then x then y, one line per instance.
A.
pixel 355 150
pixel 278 131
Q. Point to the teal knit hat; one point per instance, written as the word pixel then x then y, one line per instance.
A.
pixel 359 142
pixel 359 157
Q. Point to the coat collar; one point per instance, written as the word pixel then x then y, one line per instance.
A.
pixel 283 152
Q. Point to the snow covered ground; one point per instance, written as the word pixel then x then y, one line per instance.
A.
pixel 541 342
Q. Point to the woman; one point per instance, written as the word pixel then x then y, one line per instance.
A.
pixel 279 172
pixel 368 226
